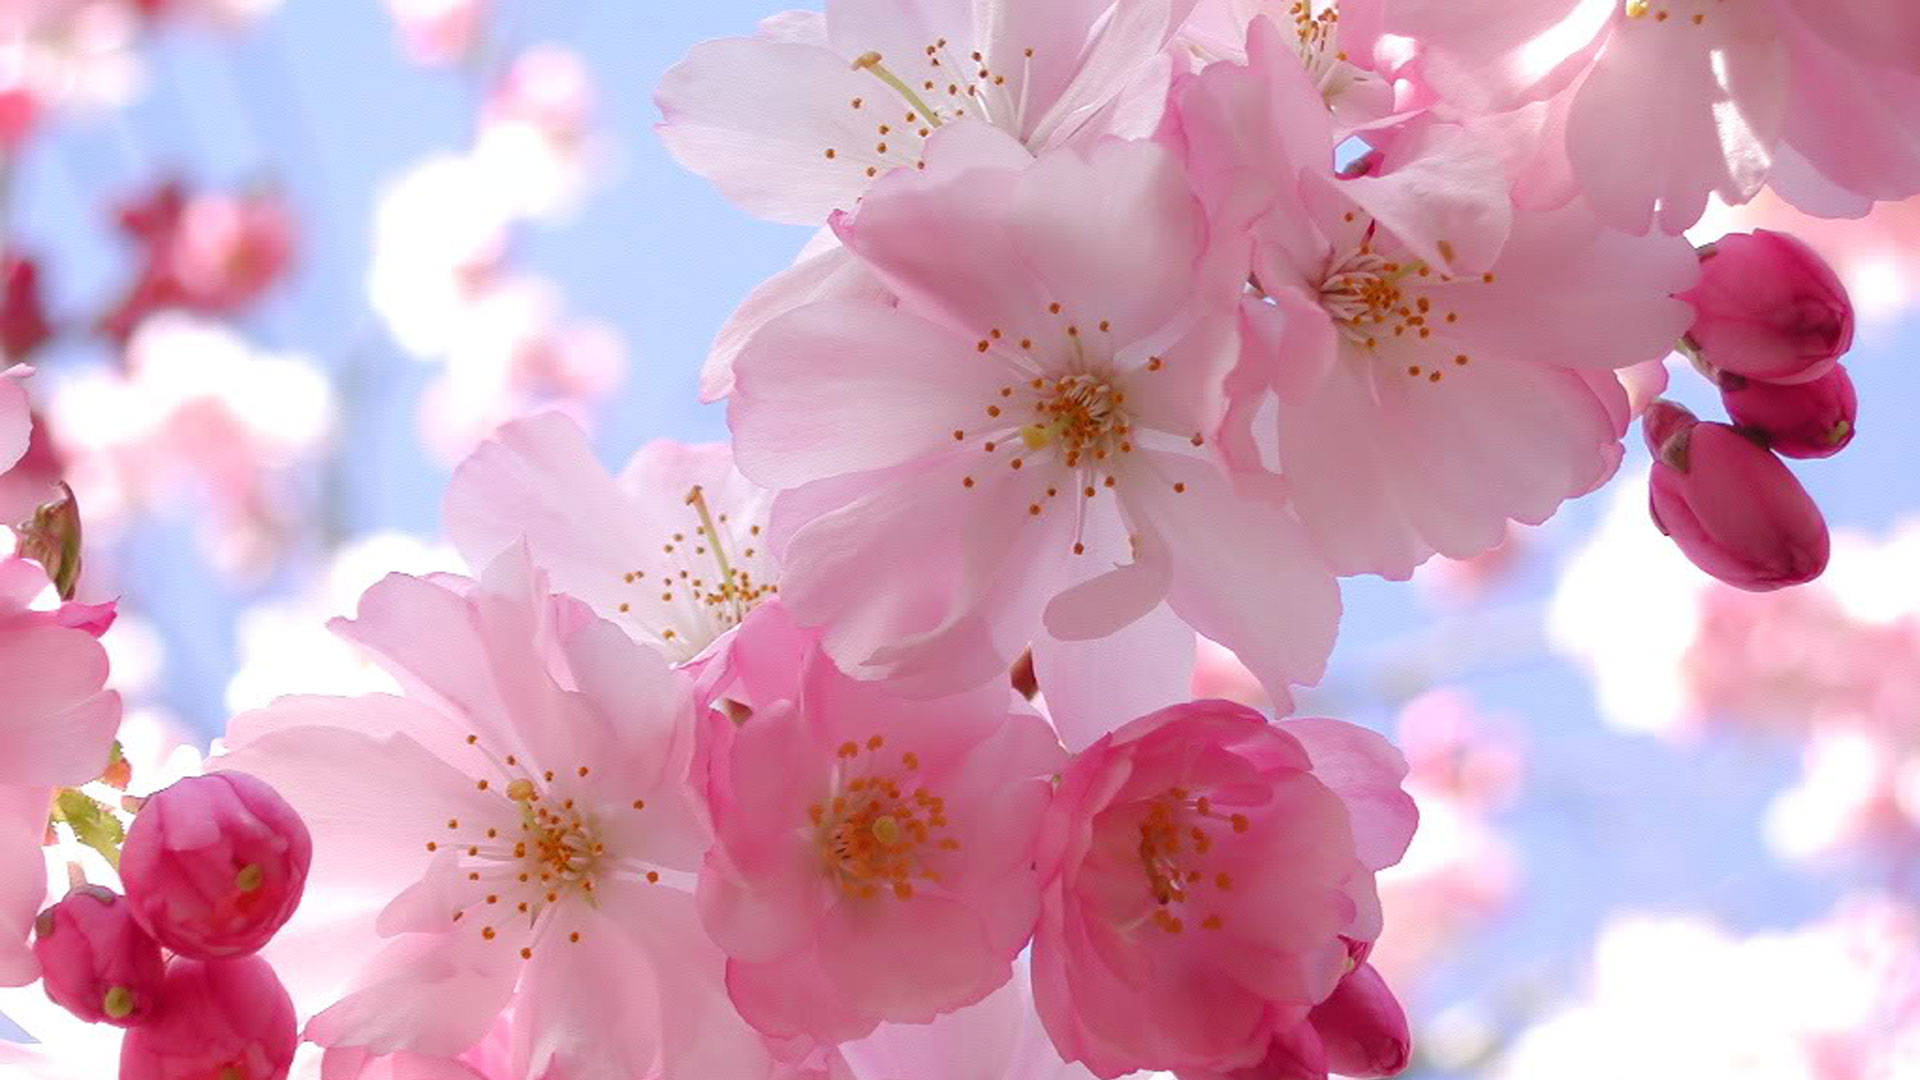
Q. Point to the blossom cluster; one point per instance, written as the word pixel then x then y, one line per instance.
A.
pixel 866 745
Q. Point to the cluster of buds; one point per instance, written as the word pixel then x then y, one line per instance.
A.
pixel 213 866
pixel 1771 322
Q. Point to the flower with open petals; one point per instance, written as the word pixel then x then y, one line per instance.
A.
pixel 518 831
pixel 873 856
pixel 1021 451
pixel 1421 363
pixel 1210 883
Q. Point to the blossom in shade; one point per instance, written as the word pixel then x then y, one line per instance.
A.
pixel 673 550
pixel 1651 105
pixel 517 834
pixel 1768 307
pixel 1805 420
pixel 1731 506
pixel 1021 451
pixel 23 315
pixel 1210 883
pixel 873 856
pixel 1421 363
pixel 801 119
pixel 57 722
pixel 215 865
pixel 95 959
pixel 217 1018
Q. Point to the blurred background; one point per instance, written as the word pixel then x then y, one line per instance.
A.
pixel 281 263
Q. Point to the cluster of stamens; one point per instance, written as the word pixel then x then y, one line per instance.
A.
pixel 1641 9
pixel 1318 35
pixel 944 91
pixel 1374 299
pixel 553 852
pixel 874 832
pixel 707 591
pixel 1176 835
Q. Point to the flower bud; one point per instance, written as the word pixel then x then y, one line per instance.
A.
pixel 215 864
pixel 95 960
pixel 217 1020
pixel 1734 508
pixel 1768 308
pixel 1806 420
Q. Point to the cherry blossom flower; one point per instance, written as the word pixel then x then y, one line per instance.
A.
pixel 438 32
pixel 997 1038
pixel 873 856
pixel 1024 443
pixel 1417 374
pixel 1334 42
pixel 57 723
pixel 800 120
pixel 534 833
pixel 214 254
pixel 674 551
pixel 1661 102
pixel 1210 881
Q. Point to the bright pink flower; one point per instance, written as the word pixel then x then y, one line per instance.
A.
pixel 636 548
pixel 215 865
pixel 23 317
pixel 1420 362
pixel 1024 444
pixel 57 723
pixel 1806 420
pixel 518 833
pixel 1210 875
pixel 1660 104
pixel 800 120
pixel 95 960
pixel 229 1019
pixel 1768 308
pixel 1358 1031
pixel 1733 508
pixel 873 856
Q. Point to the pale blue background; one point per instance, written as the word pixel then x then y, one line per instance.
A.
pixel 319 99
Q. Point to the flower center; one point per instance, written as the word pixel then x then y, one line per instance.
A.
pixel 1661 12
pixel 936 86
pixel 1385 306
pixel 1176 835
pixel 699 589
pixel 1081 415
pixel 1318 35
pixel 874 833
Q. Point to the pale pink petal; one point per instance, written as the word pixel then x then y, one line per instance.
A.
pixel 588 1009
pixel 55 720
pixel 704 1034
pixel 1093 687
pixel 845 387
pixel 759 118
pixel 909 961
pixel 434 994
pixel 1490 55
pixel 1857 126
pixel 832 274
pixel 1290 339
pixel 1878 31
pixel 1365 770
pixel 1442 192
pixel 16 423
pixel 23 878
pixel 1666 117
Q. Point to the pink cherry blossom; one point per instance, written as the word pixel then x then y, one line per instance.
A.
pixel 1025 442
pixel 95 960
pixel 1335 44
pixel 873 856
pixel 57 723
pixel 1808 420
pixel 1210 881
pixel 1733 508
pixel 225 1018
pixel 1769 308
pixel 1657 104
pixel 23 315
pixel 801 119
pixel 438 32
pixel 674 550
pixel 208 253
pixel 215 865
pixel 518 831
pixel 1421 364
pixel 997 1038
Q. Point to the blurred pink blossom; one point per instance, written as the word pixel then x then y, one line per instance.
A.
pixel 438 32
pixel 214 254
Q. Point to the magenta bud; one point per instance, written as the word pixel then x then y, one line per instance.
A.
pixel 1363 1027
pixel 1768 308
pixel 95 960
pixel 1806 420
pixel 217 1020
pixel 1737 512
pixel 215 864
pixel 1666 426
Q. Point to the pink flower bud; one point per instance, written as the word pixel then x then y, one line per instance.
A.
pixel 95 960
pixel 1769 308
pixel 217 1020
pixel 1734 508
pixel 215 864
pixel 1806 420
pixel 1359 1031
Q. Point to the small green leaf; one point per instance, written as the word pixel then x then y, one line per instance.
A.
pixel 92 823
